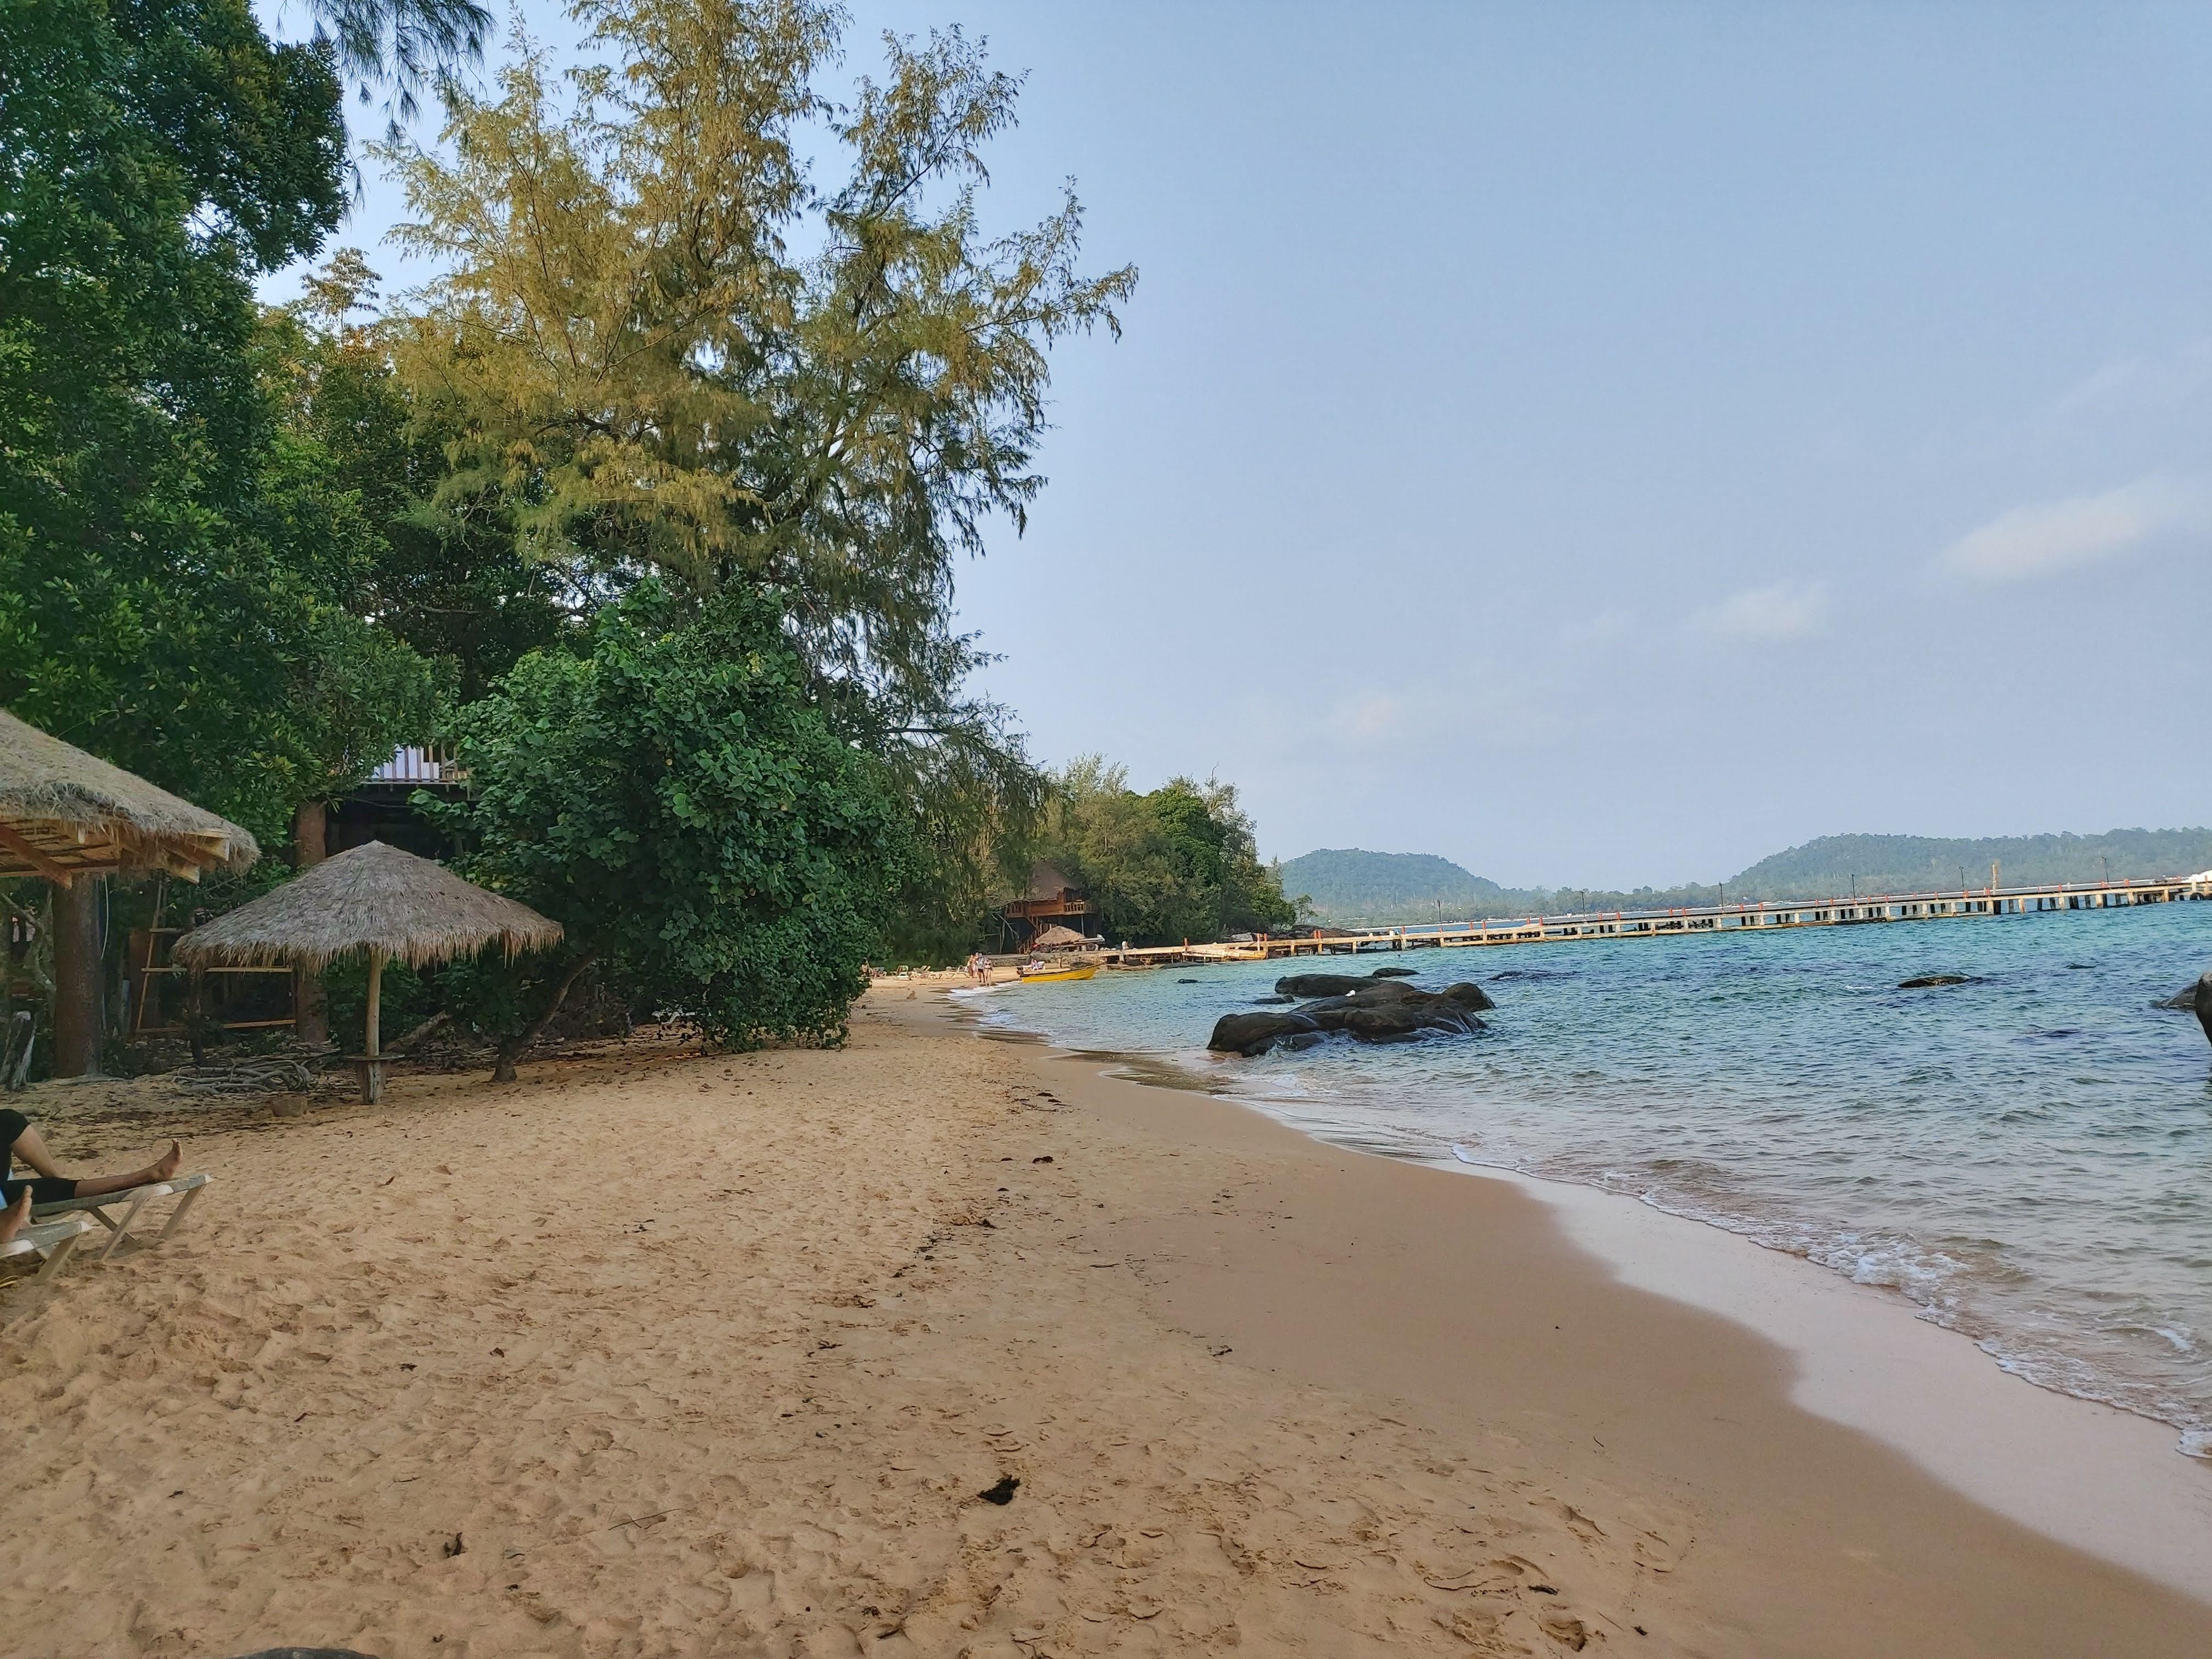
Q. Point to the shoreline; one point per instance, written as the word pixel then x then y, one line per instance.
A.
pixel 2083 1474
pixel 2103 1479
pixel 932 1346
pixel 1174 1071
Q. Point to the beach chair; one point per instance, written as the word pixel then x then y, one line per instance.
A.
pixel 184 1188
pixel 53 1241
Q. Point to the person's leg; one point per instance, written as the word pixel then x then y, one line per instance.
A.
pixel 13 1218
pixel 32 1151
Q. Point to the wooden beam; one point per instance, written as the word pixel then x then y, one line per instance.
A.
pixel 22 846
pixel 210 848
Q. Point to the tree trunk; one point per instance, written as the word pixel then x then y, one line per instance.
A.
pixel 310 846
pixel 502 1069
pixel 78 978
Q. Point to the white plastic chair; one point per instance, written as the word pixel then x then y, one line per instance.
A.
pixel 53 1241
pixel 130 1201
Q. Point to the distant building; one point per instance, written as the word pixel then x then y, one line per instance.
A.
pixel 1052 901
pixel 379 809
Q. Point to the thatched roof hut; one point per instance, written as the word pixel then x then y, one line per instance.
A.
pixel 373 900
pixel 65 813
pixel 376 900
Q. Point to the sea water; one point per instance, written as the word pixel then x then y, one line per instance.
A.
pixel 2026 1156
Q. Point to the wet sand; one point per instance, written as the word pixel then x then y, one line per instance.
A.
pixel 668 1354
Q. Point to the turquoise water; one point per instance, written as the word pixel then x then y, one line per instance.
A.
pixel 2028 1157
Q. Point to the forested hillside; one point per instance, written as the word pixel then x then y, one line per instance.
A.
pixel 1350 886
pixel 1349 883
pixel 1911 864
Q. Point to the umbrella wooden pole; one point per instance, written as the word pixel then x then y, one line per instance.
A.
pixel 376 1000
pixel 372 1069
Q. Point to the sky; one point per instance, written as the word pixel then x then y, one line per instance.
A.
pixel 1605 445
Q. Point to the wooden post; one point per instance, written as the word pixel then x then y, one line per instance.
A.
pixel 375 1000
pixel 77 1022
pixel 310 1012
pixel 370 1065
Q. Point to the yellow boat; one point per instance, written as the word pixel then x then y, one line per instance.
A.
pixel 1047 973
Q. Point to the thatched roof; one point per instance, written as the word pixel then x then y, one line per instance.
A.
pixel 1057 939
pixel 1048 881
pixel 370 897
pixel 63 813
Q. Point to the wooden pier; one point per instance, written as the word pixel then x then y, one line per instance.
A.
pixel 1764 917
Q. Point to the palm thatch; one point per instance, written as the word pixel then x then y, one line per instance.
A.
pixel 65 813
pixel 373 899
pixel 1059 939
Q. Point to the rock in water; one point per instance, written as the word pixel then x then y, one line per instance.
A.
pixel 1335 985
pixel 1252 1035
pixel 1373 1011
pixel 1467 997
pixel 2183 1001
pixel 1927 980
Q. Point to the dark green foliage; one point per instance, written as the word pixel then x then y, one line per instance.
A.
pixel 1177 863
pixel 451 584
pixel 173 569
pixel 677 802
pixel 401 44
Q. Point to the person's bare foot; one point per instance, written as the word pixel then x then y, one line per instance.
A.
pixel 13 1218
pixel 170 1163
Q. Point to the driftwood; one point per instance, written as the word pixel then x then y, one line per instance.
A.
pixel 417 1034
pixel 258 1074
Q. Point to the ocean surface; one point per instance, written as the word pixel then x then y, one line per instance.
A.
pixel 2028 1158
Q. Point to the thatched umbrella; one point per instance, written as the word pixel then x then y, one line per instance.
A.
pixel 373 899
pixel 65 814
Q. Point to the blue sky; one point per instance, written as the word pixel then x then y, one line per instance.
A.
pixel 1607 444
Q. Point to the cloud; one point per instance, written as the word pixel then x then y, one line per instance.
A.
pixel 2081 530
pixel 1606 627
pixel 2132 384
pixel 1365 719
pixel 1786 610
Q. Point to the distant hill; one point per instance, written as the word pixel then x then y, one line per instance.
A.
pixel 1917 864
pixel 1351 884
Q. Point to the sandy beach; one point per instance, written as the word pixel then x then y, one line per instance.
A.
pixel 663 1352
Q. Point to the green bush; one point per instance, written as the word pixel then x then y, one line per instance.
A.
pixel 675 799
